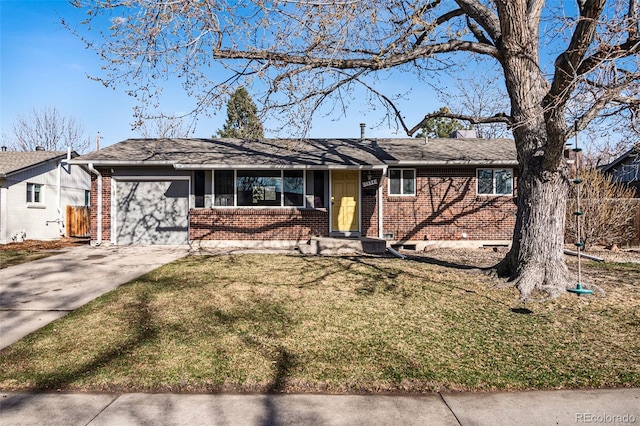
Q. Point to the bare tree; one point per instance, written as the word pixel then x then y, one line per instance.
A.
pixel 163 126
pixel 49 129
pixel 481 96
pixel 309 53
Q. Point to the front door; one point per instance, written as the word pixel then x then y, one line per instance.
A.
pixel 344 201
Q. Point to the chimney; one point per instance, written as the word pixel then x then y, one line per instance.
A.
pixel 39 148
pixel 464 134
pixel 4 148
pixel 362 127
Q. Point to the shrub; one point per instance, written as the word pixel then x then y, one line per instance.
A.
pixel 609 210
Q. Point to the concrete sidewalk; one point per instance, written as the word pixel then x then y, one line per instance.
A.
pixel 562 407
pixel 35 293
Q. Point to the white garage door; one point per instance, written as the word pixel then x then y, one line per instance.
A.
pixel 152 212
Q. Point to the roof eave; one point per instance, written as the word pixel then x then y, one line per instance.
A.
pixel 453 163
pixel 107 163
pixel 279 166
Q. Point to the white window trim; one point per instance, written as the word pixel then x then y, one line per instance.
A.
pixel 35 204
pixel 415 182
pixel 235 192
pixel 493 185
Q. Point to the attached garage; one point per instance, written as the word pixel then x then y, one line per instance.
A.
pixel 151 211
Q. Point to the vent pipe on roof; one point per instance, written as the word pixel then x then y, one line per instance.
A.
pixel 39 148
pixel 362 127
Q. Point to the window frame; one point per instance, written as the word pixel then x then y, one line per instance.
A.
pixel 31 194
pixel 493 182
pixel 199 189
pixel 402 178
pixel 281 192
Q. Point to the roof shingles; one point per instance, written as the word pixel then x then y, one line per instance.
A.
pixel 14 161
pixel 305 152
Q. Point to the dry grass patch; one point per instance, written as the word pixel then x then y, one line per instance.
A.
pixel 12 254
pixel 318 324
pixel 16 257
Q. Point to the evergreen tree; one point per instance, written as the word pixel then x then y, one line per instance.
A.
pixel 440 127
pixel 242 121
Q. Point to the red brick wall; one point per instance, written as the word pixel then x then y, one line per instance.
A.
pixel 106 205
pixel 369 208
pixel 445 207
pixel 257 224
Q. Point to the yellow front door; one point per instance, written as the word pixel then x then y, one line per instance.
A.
pixel 344 200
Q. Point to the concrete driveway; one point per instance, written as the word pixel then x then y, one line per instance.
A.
pixel 35 293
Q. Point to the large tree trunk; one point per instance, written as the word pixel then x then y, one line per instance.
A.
pixel 536 262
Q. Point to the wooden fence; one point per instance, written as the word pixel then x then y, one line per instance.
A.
pixel 77 221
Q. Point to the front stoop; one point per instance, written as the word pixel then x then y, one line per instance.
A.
pixel 333 246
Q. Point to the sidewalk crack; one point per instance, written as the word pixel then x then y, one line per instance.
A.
pixel 103 410
pixel 449 407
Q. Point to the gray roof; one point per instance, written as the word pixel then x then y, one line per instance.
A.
pixel 633 153
pixel 305 153
pixel 15 161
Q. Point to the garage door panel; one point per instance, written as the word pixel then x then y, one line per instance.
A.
pixel 152 212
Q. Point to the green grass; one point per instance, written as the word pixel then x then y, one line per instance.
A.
pixel 616 266
pixel 316 324
pixel 16 257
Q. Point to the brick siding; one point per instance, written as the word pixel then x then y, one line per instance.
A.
pixel 444 208
pixel 106 205
pixel 257 224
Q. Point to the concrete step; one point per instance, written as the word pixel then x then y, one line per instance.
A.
pixel 333 246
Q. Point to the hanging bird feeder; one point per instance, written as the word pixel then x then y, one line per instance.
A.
pixel 579 290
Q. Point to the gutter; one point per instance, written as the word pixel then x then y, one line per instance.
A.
pixel 380 206
pixel 278 167
pixel 108 163
pixel 60 218
pixel 453 163
pixel 99 213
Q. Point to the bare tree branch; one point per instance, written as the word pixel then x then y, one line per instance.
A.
pixel 483 16
pixel 498 118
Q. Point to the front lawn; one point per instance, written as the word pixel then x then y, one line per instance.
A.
pixel 326 324
pixel 16 257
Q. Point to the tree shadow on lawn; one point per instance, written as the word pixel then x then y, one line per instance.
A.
pixel 144 332
pixel 283 360
pixel 446 264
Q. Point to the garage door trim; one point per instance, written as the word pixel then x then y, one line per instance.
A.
pixel 115 180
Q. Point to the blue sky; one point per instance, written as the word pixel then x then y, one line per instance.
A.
pixel 42 64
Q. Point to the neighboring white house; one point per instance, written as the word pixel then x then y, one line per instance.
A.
pixel 35 188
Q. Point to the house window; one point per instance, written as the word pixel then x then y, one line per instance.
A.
pixel 495 181
pixel 293 188
pixel 87 197
pixel 317 185
pixel 198 188
pixel 34 193
pixel 223 188
pixel 259 188
pixel 402 182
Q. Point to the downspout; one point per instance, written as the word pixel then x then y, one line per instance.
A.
pixel 60 218
pixel 380 207
pixel 99 214
pixel 61 224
